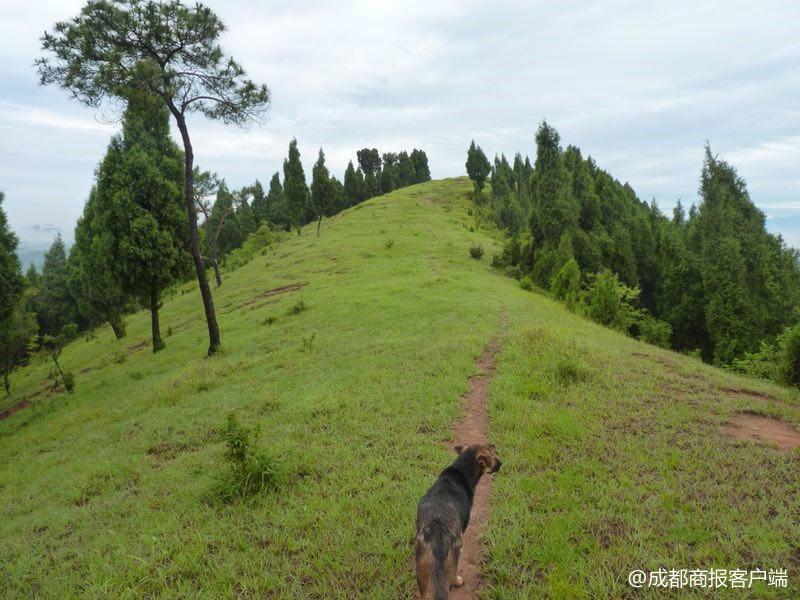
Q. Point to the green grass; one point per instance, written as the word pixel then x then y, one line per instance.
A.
pixel 612 453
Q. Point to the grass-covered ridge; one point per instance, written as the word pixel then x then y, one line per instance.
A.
pixel 612 450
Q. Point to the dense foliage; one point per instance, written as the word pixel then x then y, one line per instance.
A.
pixel 714 282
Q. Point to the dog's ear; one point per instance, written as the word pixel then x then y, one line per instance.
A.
pixel 458 448
pixel 484 461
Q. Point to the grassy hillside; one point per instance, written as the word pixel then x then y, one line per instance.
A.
pixel 613 450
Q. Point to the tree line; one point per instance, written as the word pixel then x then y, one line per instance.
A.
pixel 713 282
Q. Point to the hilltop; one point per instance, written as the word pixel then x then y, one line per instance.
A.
pixel 351 353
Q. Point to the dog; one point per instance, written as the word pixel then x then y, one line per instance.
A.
pixel 443 516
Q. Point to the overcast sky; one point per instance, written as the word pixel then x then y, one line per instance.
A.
pixel 638 85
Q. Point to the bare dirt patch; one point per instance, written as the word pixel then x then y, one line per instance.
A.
pixel 273 292
pixel 10 411
pixel 764 430
pixel 472 429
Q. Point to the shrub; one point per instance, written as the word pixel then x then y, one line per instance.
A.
pixel 69 381
pixel 525 283
pixel 654 331
pixel 250 471
pixel 476 251
pixel 271 320
pixel 299 307
pixel 789 356
pixel 389 243
pixel 257 242
pixel 762 364
pixel 609 302
pixel 566 284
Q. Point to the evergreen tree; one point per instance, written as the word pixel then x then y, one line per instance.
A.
pixel 369 161
pixel 32 276
pixel 100 294
pixel 422 172
pixel 17 339
pixel 244 216
pixel 294 187
pixel 277 210
pixel 478 166
pixel 55 305
pixel 353 186
pixel 139 204
pixel 389 173
pixel 406 172
pixel 11 282
pixel 323 190
pixel 555 209
pixel 259 203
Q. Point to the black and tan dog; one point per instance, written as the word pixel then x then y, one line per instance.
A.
pixel 442 518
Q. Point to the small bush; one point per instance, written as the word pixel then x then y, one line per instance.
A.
pixel 269 320
pixel 654 331
pixel 525 283
pixel 169 331
pixel 297 308
pixel 251 470
pixel 389 243
pixel 763 364
pixel 789 356
pixel 69 381
pixel 566 284
pixel 120 357
pixel 476 251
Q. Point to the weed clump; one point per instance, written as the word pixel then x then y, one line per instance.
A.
pixel 389 243
pixel 525 283
pixel 476 251
pixel 250 470
pixel 297 308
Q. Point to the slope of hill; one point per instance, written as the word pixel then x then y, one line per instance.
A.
pixel 615 453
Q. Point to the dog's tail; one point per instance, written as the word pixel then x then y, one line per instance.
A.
pixel 431 557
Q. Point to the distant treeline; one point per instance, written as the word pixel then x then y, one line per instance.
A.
pixel 132 242
pixel 715 281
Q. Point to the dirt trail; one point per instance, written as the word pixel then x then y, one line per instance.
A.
pixel 472 429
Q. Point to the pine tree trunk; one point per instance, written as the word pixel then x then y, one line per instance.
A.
pixel 194 241
pixel 158 343
pixel 6 382
pixel 118 325
pixel 217 276
pixel 215 262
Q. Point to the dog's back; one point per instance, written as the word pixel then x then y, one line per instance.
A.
pixel 442 516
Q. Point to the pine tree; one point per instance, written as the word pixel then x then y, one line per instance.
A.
pixel 294 187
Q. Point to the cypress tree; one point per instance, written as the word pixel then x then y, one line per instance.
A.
pixel 323 190
pixel 353 186
pixel 478 166
pixel 294 187
pixel 139 202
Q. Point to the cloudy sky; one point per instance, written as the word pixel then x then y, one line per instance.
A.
pixel 638 85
